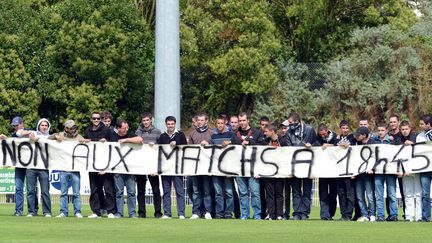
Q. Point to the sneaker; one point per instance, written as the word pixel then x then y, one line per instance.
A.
pixel 93 216
pixel 142 215
pixel 157 215
pixel 372 218
pixel 195 216
pixel 61 215
pixel 363 219
pixel 207 216
pixel 117 216
pixel 279 218
pixel 133 216
pixel 48 215
pixel 380 219
pixel 17 214
pixel 419 220
pixel 78 215
pixel 111 216
pixel 181 217
pixel 244 218
pixel 297 217
pixel 267 217
pixel 304 217
pixel 165 217
pixel 30 215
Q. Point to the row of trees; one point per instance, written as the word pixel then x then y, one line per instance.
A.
pixel 62 59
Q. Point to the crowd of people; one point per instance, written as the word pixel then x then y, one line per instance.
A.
pixel 361 198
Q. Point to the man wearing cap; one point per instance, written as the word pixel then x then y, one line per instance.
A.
pixel 69 134
pixel 365 182
pixel 20 131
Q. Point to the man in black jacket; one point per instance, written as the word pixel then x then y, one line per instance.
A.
pixel 327 186
pixel 100 182
pixel 300 134
pixel 247 135
pixel 173 137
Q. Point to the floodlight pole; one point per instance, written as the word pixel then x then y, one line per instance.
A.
pixel 167 62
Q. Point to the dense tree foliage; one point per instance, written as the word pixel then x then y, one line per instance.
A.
pixel 63 59
pixel 79 56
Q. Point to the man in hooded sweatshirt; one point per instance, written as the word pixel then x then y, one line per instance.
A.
pixel 100 182
pixel 42 132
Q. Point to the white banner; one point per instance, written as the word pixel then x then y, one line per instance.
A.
pixel 186 160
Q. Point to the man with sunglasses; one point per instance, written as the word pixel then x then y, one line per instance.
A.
pixel 100 182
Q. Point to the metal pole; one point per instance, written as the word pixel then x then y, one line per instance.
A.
pixel 167 63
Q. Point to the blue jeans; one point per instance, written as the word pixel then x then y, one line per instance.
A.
pixel 246 185
pixel 43 176
pixel 167 182
pixel 201 194
pixel 120 181
pixel 390 181
pixel 366 183
pixel 223 196
pixel 20 174
pixel 65 178
pixel 426 178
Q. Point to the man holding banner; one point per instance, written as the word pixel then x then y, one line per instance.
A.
pixel 300 134
pixel 69 134
pixel 100 182
pixel 246 136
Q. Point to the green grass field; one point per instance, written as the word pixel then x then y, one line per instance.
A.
pixel 22 229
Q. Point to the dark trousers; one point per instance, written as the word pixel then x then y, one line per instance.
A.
pixel 287 192
pixel 302 192
pixel 98 185
pixel 141 186
pixel 346 195
pixel 327 190
pixel 274 196
pixel 237 213
pixel 263 197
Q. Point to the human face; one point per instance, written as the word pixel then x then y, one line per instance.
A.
pixel 424 126
pixel 284 129
pixel 107 122
pixel 382 132
pixel 170 125
pixel 123 130
pixel 95 119
pixel 70 130
pixel 323 133
pixel 268 133
pixel 394 123
pixel 263 125
pixel 244 122
pixel 360 137
pixel 234 123
pixel 364 123
pixel 220 125
pixel 19 126
pixel 345 130
pixel 201 121
pixel 405 130
pixel 146 122
pixel 43 127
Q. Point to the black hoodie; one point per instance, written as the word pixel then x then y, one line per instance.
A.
pixel 101 132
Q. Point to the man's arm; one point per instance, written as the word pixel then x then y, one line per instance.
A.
pixel 135 140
